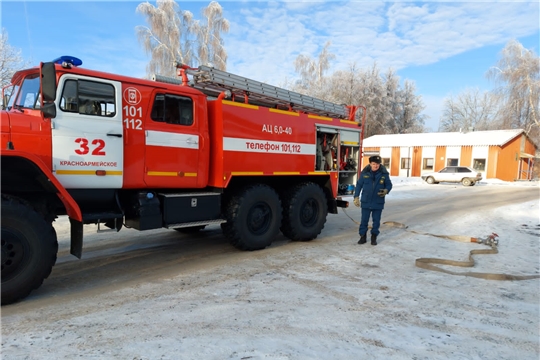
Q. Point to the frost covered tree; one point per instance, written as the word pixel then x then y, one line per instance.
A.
pixel 210 47
pixel 470 109
pixel 10 59
pixel 518 75
pixel 402 105
pixel 312 70
pixel 173 35
pixel 167 37
pixel 391 107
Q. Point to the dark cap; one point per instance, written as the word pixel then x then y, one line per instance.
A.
pixel 375 159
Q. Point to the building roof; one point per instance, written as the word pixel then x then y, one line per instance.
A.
pixel 473 138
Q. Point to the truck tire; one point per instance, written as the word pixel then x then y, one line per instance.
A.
pixel 253 218
pixel 29 248
pixel 304 212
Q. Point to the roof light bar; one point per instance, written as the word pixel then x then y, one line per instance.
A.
pixel 68 61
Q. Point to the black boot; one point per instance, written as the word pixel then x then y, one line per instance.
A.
pixel 362 239
pixel 373 239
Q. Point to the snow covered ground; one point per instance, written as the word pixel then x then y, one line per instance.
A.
pixel 325 299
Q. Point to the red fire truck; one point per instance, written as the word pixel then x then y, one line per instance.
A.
pixel 206 148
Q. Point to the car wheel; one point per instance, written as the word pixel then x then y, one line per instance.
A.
pixel 430 180
pixel 466 182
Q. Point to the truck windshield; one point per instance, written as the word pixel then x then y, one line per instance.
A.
pixel 11 93
pixel 29 96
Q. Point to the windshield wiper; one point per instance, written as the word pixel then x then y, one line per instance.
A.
pixel 18 107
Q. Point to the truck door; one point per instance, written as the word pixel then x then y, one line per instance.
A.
pixel 172 142
pixel 87 133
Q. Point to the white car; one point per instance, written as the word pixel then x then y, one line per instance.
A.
pixel 455 174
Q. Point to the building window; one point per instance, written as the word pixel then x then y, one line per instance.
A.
pixel 479 164
pixel 386 162
pixel 405 163
pixel 452 162
pixel 428 164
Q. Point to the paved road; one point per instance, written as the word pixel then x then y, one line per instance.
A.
pixel 455 199
pixel 163 295
pixel 111 260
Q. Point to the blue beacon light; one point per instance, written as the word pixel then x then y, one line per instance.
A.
pixel 66 59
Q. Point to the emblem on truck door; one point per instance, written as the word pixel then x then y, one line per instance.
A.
pixel 132 96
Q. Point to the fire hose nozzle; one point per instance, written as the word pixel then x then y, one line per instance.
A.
pixel 491 240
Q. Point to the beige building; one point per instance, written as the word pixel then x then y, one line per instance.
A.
pixel 507 155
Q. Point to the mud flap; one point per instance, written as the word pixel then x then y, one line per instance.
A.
pixel 76 237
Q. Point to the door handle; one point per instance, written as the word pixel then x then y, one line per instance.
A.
pixel 115 135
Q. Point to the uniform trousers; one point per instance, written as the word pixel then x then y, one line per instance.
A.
pixel 375 217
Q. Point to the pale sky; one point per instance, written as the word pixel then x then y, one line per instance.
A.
pixel 443 47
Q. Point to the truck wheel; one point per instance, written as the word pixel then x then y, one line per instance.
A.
pixel 29 248
pixel 253 218
pixel 466 182
pixel 304 212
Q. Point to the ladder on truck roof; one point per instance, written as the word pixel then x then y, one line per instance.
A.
pixel 212 82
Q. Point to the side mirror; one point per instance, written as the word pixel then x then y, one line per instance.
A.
pixel 49 110
pixel 48 90
pixel 48 82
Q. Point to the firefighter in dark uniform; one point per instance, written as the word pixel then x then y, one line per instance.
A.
pixel 374 184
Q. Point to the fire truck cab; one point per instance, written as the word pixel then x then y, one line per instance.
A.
pixel 206 148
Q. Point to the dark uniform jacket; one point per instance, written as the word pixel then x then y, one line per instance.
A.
pixel 370 183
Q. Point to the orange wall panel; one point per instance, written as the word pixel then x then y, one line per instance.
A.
pixel 416 161
pixel 492 162
pixel 466 156
pixel 507 167
pixel 529 147
pixel 440 158
pixel 394 162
